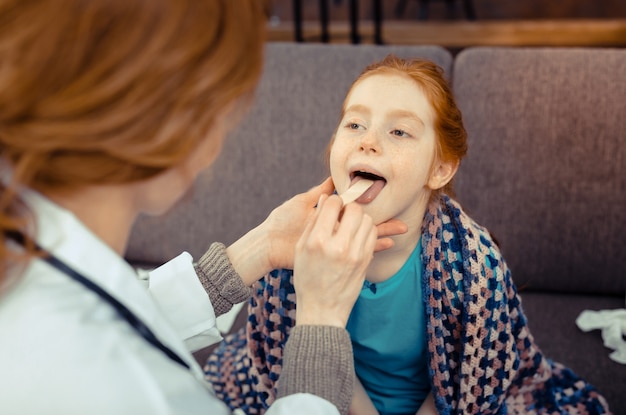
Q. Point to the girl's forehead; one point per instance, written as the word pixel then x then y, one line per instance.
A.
pixel 394 82
pixel 388 90
pixel 390 76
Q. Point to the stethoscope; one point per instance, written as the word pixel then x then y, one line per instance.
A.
pixel 132 319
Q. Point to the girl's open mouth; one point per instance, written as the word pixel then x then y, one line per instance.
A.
pixel 374 190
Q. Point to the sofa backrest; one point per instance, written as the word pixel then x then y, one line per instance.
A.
pixel 546 166
pixel 276 152
pixel 545 171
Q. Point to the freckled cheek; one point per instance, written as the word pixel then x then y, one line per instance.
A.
pixel 337 162
pixel 335 166
pixel 343 147
pixel 409 166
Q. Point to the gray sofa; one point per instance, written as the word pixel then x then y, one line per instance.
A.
pixel 545 172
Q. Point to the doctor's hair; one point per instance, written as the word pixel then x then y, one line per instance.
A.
pixel 101 92
pixel 448 120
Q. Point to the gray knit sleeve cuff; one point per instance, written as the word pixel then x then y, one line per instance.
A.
pixel 220 280
pixel 319 360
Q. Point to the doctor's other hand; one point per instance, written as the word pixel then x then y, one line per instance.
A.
pixel 286 223
pixel 330 262
pixel 271 245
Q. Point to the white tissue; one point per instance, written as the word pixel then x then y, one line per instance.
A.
pixel 613 326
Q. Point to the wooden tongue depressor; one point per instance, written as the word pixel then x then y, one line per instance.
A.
pixel 356 190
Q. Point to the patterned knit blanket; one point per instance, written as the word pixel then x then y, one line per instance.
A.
pixel 483 359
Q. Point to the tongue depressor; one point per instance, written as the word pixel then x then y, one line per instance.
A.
pixel 355 191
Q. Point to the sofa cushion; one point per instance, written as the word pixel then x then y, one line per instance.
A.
pixel 552 321
pixel 546 167
pixel 276 152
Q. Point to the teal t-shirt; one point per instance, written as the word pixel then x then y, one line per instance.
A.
pixel 388 331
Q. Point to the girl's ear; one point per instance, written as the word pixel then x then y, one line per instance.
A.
pixel 442 173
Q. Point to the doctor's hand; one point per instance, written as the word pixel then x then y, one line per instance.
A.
pixel 271 245
pixel 330 262
pixel 286 223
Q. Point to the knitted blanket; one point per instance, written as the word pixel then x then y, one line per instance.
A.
pixel 483 359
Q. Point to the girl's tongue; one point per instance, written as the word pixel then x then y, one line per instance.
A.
pixel 371 193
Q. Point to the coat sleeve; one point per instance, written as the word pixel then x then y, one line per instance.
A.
pixel 184 302
pixel 302 404
pixel 220 280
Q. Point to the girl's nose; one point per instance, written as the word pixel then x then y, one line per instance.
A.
pixel 369 142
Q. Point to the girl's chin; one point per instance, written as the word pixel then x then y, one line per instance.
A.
pixel 377 216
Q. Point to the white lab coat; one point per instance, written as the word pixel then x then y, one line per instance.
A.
pixel 64 350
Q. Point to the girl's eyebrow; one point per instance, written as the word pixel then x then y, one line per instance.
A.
pixel 358 108
pixel 362 109
pixel 407 114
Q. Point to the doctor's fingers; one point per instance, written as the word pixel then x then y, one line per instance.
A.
pixel 346 236
pixel 322 223
pixel 342 235
pixel 358 231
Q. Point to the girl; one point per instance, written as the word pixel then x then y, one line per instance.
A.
pixel 438 326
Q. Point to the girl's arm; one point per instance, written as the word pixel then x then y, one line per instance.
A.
pixel 428 406
pixel 361 402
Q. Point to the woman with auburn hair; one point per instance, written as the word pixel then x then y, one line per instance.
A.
pixel 438 327
pixel 109 109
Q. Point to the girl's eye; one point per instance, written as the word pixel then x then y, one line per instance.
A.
pixel 400 133
pixel 353 126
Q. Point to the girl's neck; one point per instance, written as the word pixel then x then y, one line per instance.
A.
pixel 386 263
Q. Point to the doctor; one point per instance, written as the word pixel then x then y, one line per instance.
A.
pixel 109 109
